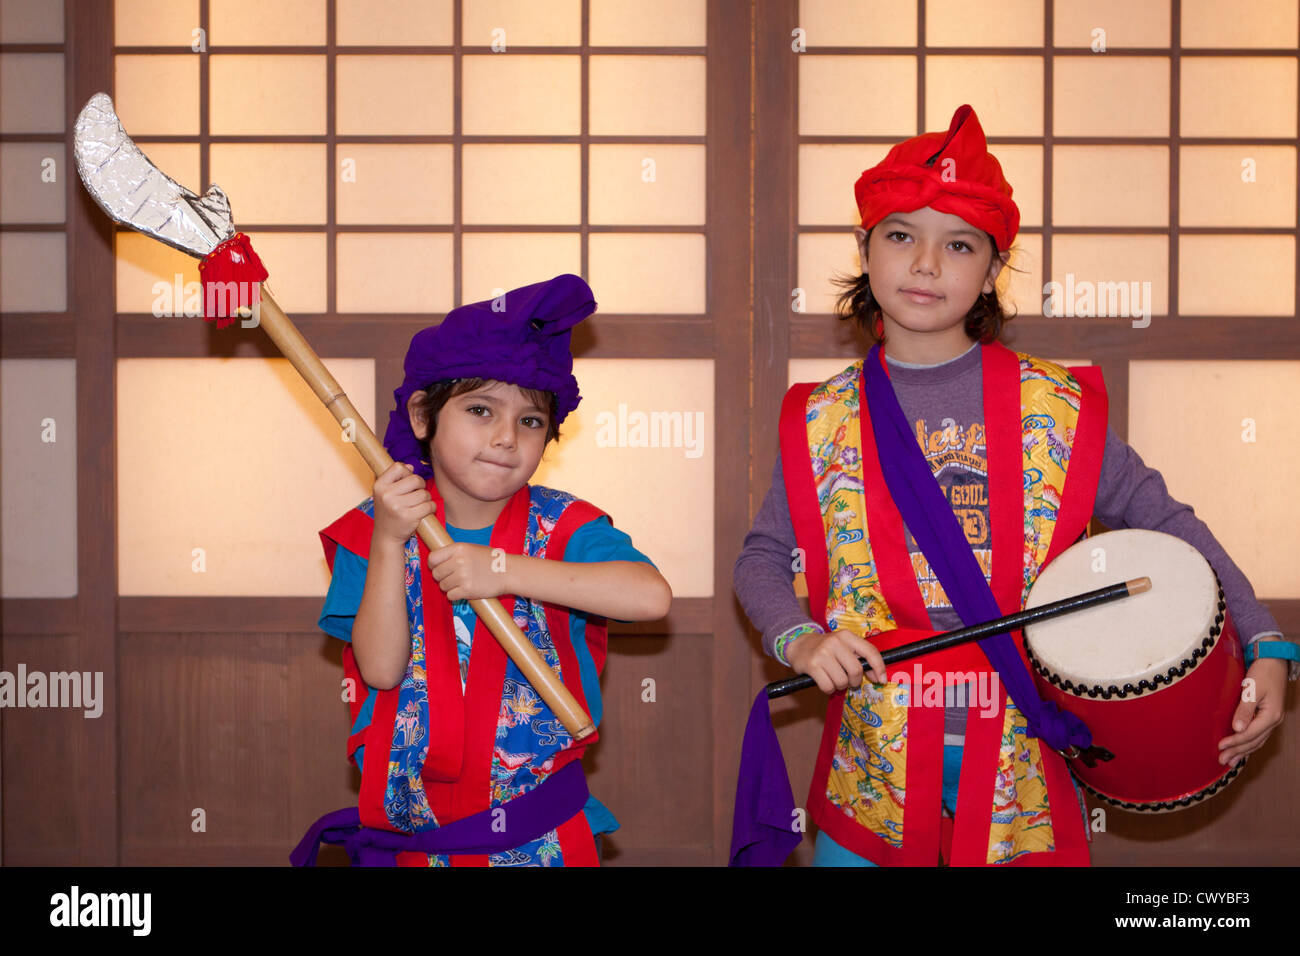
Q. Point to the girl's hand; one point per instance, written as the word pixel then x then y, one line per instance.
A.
pixel 401 502
pixel 468 571
pixel 1255 719
pixel 832 659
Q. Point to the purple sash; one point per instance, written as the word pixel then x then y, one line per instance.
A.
pixel 558 798
pixel 929 516
pixel 762 826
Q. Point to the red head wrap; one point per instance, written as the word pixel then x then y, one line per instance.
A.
pixel 953 173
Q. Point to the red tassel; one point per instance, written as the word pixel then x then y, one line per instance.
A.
pixel 232 275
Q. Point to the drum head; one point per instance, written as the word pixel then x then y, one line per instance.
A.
pixel 1133 638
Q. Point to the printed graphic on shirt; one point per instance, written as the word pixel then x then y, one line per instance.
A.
pixel 463 618
pixel 958 456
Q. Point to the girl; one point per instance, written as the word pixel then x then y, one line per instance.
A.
pixel 937 223
pixel 461 760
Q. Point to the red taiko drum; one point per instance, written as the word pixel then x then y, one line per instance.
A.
pixel 1156 676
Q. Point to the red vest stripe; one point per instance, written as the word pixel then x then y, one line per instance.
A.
pixel 800 489
pixel 577 843
pixel 596 629
pixel 884 524
pixel 972 824
pixel 1002 431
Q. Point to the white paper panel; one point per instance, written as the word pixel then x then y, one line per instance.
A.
pixel 238 458
pixel 38 407
pixel 1231 428
pixel 661 496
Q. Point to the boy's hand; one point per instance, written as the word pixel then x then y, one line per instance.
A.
pixel 1255 719
pixel 832 659
pixel 468 571
pixel 401 502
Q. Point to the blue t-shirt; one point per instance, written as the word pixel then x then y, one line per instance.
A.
pixel 595 541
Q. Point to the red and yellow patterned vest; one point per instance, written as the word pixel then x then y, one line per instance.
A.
pixel 877 785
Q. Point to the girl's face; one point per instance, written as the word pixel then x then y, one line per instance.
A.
pixel 487 444
pixel 927 268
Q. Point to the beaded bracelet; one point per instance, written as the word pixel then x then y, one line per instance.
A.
pixel 784 640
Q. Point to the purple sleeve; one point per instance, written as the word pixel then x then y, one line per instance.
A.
pixel 1132 495
pixel 764 575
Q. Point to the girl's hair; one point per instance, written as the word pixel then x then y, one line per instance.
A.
pixel 437 395
pixel 984 321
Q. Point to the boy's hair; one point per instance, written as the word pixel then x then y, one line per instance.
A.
pixel 984 321
pixel 437 395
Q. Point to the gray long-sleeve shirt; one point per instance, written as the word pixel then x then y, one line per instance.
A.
pixel 946 406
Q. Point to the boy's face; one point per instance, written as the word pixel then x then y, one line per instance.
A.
pixel 924 251
pixel 487 444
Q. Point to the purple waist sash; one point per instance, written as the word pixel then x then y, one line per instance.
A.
pixel 557 799
pixel 763 831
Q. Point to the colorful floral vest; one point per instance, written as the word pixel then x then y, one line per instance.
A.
pixel 877 785
pixel 452 754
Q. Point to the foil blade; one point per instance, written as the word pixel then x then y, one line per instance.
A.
pixel 136 193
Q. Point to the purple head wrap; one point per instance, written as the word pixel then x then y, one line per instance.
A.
pixel 521 338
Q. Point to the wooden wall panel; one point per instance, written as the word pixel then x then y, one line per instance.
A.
pixel 202 728
pixel 247 727
pixel 648 767
pixel 43 754
pixel 318 777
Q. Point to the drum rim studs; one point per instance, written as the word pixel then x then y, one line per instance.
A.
pixel 1167 806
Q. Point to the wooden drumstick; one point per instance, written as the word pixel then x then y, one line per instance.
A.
pixel 1001 625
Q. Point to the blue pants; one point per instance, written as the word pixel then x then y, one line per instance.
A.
pixel 830 853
